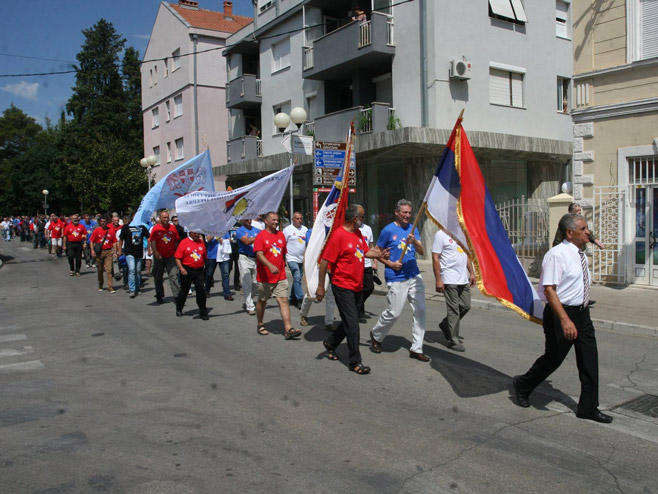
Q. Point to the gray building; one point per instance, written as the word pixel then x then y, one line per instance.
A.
pixel 403 74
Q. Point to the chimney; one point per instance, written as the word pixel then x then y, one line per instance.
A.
pixel 188 3
pixel 228 8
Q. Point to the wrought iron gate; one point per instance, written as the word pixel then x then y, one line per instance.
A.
pixel 608 265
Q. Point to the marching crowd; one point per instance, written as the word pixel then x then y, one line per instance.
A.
pixel 258 251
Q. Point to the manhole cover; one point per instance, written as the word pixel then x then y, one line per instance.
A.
pixel 645 404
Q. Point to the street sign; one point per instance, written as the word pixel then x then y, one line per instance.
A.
pixel 328 159
pixel 300 144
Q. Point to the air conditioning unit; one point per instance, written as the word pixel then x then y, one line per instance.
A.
pixel 460 69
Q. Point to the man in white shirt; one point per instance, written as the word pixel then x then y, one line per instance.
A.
pixel 566 285
pixel 370 266
pixel 454 278
pixel 296 246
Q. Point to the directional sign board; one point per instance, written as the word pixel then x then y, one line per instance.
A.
pixel 329 158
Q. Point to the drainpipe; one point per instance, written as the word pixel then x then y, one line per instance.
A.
pixel 422 8
pixel 195 38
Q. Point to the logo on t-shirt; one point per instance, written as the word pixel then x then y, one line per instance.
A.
pixel 359 254
pixel 75 233
pixel 275 250
pixel 194 255
pixel 166 239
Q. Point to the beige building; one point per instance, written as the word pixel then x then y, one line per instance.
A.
pixel 614 101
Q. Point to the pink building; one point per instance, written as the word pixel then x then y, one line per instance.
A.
pixel 184 84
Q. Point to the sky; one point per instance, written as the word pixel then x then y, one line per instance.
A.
pixel 52 29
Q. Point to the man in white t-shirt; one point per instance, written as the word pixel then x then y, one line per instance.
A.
pixel 370 267
pixel 296 246
pixel 454 277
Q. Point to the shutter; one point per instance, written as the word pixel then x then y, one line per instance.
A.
pixel 502 8
pixel 561 17
pixel 517 89
pixel 649 28
pixel 499 87
pixel 519 11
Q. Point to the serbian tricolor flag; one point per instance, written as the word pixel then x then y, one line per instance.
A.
pixel 330 217
pixel 459 203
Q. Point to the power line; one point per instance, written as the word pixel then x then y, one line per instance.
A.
pixel 35 58
pixel 40 73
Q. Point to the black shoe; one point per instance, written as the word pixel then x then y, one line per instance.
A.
pixel 596 416
pixel 375 346
pixel 362 318
pixel 204 317
pixel 522 399
pixel 159 300
pixel 179 313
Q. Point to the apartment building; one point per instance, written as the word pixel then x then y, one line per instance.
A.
pixel 615 113
pixel 184 84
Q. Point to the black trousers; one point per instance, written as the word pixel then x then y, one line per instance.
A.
pixel 557 348
pixel 349 325
pixel 368 288
pixel 74 254
pixel 198 278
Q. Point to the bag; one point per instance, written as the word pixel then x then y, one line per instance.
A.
pixel 98 248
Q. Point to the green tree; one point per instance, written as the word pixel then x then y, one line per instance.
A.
pixel 132 86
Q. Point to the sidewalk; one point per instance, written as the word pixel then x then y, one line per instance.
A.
pixel 632 310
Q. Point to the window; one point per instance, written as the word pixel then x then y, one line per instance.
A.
pixel 642 29
pixel 175 58
pixel 563 99
pixel 156 118
pixel 506 85
pixel 281 55
pixel 178 106
pixel 166 65
pixel 280 108
pixel 168 106
pixel 150 77
pixel 509 10
pixel 561 19
pixel 179 149
pixel 156 153
pixel 169 152
pixel 155 75
pixel 263 5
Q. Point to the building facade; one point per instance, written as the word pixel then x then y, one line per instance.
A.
pixel 184 83
pixel 615 113
pixel 402 74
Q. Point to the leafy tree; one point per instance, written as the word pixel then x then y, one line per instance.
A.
pixel 132 84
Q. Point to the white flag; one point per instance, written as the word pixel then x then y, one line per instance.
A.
pixel 214 213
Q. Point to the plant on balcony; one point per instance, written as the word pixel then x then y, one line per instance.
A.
pixel 310 132
pixel 393 122
pixel 365 119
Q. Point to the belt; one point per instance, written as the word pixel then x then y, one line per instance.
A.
pixel 575 307
pixel 192 269
pixel 247 255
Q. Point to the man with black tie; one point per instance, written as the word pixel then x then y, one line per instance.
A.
pixel 566 283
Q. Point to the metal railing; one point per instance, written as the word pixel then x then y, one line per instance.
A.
pixel 527 225
pixel 259 148
pixel 228 92
pixel 390 40
pixel 365 121
pixel 607 218
pixel 309 128
pixel 308 57
pixel 258 88
pixel 365 34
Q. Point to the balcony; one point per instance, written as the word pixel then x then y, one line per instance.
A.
pixel 243 148
pixel 368 45
pixel 243 92
pixel 334 126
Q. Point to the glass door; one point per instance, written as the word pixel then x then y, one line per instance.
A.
pixel 645 248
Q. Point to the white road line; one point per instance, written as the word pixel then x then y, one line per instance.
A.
pixel 12 337
pixel 14 352
pixel 22 366
pixel 25 248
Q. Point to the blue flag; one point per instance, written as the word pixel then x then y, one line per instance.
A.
pixel 191 176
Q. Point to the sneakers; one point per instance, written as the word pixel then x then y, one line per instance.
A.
pixel 112 291
pixel 132 294
pixel 77 273
pixel 303 321
pixel 179 313
pixel 100 289
pixel 251 312
pixel 71 273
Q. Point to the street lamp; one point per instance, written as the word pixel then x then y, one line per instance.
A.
pixel 148 163
pixel 45 201
pixel 282 121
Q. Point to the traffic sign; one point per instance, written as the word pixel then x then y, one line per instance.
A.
pixel 329 158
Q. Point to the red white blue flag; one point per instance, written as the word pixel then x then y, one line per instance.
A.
pixel 459 202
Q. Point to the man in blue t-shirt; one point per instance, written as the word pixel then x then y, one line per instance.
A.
pixel 246 235
pixel 403 279
pixel 90 225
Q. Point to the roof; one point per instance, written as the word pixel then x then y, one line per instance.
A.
pixel 209 19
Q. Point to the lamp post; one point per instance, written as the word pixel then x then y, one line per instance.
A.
pixel 282 121
pixel 148 163
pixel 45 201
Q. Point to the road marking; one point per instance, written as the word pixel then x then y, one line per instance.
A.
pixel 22 366
pixel 25 248
pixel 14 352
pixel 12 337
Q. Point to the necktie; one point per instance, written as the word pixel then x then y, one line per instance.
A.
pixel 583 264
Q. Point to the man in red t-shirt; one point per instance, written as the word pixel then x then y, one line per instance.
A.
pixel 191 261
pixel 270 250
pixel 344 256
pixel 75 236
pixel 56 231
pixel 164 240
pixel 102 243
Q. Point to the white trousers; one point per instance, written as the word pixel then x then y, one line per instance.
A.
pixel 330 306
pixel 247 267
pixel 412 290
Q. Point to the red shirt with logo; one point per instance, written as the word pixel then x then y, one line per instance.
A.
pixel 192 254
pixel 273 246
pixel 56 229
pixel 105 236
pixel 346 252
pixel 75 233
pixel 165 239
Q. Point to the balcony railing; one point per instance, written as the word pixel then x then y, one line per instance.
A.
pixel 365 120
pixel 365 34
pixel 309 128
pixel 258 88
pixel 259 148
pixel 308 57
pixel 244 92
pixel 332 127
pixel 243 148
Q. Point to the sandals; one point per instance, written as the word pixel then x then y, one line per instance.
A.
pixel 360 368
pixel 331 352
pixel 292 333
pixel 261 330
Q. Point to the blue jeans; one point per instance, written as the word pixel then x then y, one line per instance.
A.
pixel 296 292
pixel 225 268
pixel 134 273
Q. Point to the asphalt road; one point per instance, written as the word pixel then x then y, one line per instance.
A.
pixel 102 393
